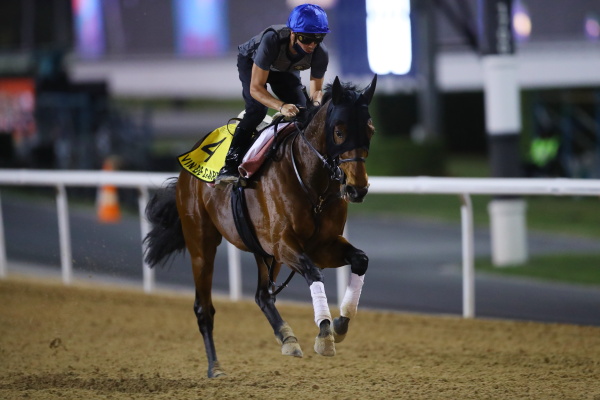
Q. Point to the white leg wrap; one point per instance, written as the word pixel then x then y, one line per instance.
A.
pixel 352 295
pixel 319 299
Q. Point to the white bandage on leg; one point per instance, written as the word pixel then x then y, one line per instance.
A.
pixel 319 299
pixel 352 295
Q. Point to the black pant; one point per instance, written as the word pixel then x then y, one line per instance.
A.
pixel 287 86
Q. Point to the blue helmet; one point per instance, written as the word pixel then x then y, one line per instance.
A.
pixel 308 18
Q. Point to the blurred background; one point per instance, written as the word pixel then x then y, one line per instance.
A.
pixel 142 80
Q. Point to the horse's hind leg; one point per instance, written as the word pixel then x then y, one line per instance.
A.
pixel 204 310
pixel 202 252
pixel 266 301
pixel 202 239
pixel 205 316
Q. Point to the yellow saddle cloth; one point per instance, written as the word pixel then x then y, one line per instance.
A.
pixel 206 160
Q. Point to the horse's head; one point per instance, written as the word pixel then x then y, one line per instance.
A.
pixel 348 134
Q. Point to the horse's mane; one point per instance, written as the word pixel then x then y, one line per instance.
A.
pixel 348 94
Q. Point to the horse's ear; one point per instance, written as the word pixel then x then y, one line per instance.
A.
pixel 370 90
pixel 336 92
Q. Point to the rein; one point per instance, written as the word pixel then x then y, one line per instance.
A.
pixel 333 168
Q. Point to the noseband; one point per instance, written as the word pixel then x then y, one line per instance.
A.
pixel 355 159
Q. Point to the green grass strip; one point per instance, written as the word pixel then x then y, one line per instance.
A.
pixel 568 268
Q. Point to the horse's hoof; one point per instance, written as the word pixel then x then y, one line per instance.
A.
pixel 340 328
pixel 217 374
pixel 292 349
pixel 290 346
pixel 325 346
pixel 338 338
pixel 215 371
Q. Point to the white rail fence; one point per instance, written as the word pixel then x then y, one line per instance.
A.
pixel 144 182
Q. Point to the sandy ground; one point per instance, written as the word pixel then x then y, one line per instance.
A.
pixel 84 342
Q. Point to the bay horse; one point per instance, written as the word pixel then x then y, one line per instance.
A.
pixel 298 209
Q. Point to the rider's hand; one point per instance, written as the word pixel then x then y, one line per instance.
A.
pixel 289 110
pixel 317 97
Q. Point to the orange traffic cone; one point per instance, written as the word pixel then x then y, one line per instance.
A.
pixel 107 202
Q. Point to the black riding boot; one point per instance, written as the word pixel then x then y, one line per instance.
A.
pixel 242 139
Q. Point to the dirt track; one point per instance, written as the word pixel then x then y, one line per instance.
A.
pixel 79 342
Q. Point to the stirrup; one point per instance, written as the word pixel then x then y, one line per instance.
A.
pixel 227 175
pixel 226 179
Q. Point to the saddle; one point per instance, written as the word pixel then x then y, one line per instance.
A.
pixel 207 157
pixel 264 146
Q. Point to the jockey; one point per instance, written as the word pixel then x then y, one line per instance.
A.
pixel 276 56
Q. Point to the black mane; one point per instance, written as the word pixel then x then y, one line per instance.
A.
pixel 348 94
pixel 348 91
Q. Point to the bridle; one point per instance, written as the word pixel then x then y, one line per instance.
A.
pixel 355 159
pixel 331 164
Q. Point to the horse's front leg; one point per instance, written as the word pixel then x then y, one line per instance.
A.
pixel 359 263
pixel 336 254
pixel 324 342
pixel 349 307
pixel 266 301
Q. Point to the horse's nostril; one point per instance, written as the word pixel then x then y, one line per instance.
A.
pixel 356 193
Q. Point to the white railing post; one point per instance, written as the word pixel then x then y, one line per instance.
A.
pixel 64 234
pixel 148 273
pixel 3 267
pixel 468 256
pixel 234 257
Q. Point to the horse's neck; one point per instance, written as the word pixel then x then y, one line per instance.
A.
pixel 310 165
pixel 315 130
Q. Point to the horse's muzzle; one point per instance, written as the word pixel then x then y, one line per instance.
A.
pixel 355 194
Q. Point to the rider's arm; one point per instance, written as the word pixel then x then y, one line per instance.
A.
pixel 259 92
pixel 319 63
pixel 316 86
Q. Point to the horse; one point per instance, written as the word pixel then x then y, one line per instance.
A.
pixel 297 205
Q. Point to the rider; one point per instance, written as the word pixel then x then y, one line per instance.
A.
pixel 276 56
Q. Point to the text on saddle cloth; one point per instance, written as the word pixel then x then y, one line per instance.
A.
pixel 205 161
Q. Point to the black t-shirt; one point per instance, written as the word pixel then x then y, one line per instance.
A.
pixel 267 51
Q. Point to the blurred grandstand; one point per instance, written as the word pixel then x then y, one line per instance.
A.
pixel 84 79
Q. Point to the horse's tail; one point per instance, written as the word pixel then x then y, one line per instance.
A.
pixel 166 236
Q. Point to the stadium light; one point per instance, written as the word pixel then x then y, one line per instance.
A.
pixel 389 40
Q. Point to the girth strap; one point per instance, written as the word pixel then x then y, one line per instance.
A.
pixel 244 227
pixel 242 221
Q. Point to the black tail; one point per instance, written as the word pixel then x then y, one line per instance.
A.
pixel 166 236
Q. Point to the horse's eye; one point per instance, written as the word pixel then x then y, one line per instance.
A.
pixel 340 132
